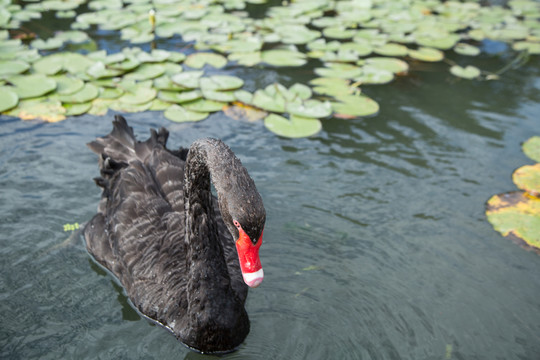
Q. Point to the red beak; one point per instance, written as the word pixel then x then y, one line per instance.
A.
pixel 248 254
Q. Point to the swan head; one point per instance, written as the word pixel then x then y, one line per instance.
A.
pixel 248 255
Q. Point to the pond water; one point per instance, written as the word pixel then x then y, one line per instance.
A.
pixel 376 244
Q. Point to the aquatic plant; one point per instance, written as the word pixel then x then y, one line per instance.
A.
pixel 345 45
pixel 516 215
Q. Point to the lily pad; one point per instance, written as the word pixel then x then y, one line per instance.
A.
pixel 374 75
pixel 283 57
pixel 199 60
pixel 468 72
pixel 67 84
pixel 8 99
pixel 42 109
pixel 516 215
pixel 310 109
pixel 351 106
pixel 426 54
pixel 146 71
pixel 527 178
pixel 177 113
pixel 31 86
pixel 221 82
pixel 337 70
pixel 12 67
pixel 466 49
pixel 77 109
pixel 391 49
pixel 179 97
pixel 531 148
pixel 243 112
pixel 204 105
pixel 188 79
pixel 296 127
pixel 87 93
pixel 138 95
pixel 394 65
pixel 331 86
pixel 264 100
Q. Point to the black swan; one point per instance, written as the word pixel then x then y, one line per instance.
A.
pixel 183 256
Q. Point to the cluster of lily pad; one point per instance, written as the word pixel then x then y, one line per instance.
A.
pixel 350 44
pixel 517 214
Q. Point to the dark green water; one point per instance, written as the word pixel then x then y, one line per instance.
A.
pixel 376 244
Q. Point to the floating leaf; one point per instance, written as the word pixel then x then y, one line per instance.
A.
pixel 67 85
pixel 43 109
pixel 188 79
pixel 221 82
pixel 146 71
pixel 138 95
pixel 129 108
pixel 466 49
pixel 296 127
pixel 8 99
pixel 77 109
pixel 179 96
pixel 49 44
pixel 88 93
pixel 246 59
pixel 283 57
pixel 177 113
pixel 265 101
pixel 374 75
pixel 12 67
pixel 99 71
pixel 531 148
pixel 391 49
pixel 30 86
pixel 204 105
pixel 302 91
pixel 336 70
pixel 354 106
pixel 426 54
pixel 468 72
pixel 199 60
pixel 331 86
pixel 310 109
pixel 516 215
pixel 528 178
pixel 396 66
pixel 221 96
pixel 529 46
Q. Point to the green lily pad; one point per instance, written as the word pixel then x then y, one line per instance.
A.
pixel 354 105
pixel 179 97
pixel 204 105
pixel 31 86
pixel 87 93
pixel 121 106
pixel 391 49
pixel 221 82
pixel 160 105
pixel 55 63
pixel 443 42
pixel 266 101
pixel 246 59
pixel 8 99
pixel 301 91
pixel 221 96
pixel 516 215
pixel 281 57
pixel 67 84
pixel 531 148
pixel 43 109
pixel 337 70
pixel 138 95
pixel 188 79
pixel 374 75
pixel 529 46
pixel 99 71
pixel 310 109
pixel 296 127
pixel 527 178
pixel 335 87
pixel 466 49
pixel 394 65
pixel 77 109
pixel 146 71
pixel 338 32
pixel 468 72
pixel 244 96
pixel 199 60
pixel 100 107
pixel 49 44
pixel 165 83
pixel 426 54
pixel 12 67
pixel 177 113
pixel 110 93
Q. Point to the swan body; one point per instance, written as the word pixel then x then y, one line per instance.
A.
pixel 184 257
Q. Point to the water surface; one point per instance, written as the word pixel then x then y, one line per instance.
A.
pixel 376 244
